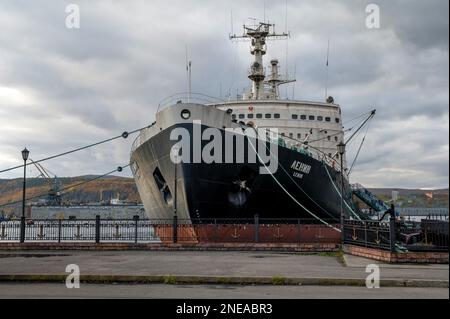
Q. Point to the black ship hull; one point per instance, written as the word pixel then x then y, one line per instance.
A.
pixel 236 190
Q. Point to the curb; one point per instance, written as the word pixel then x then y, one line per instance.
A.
pixel 222 280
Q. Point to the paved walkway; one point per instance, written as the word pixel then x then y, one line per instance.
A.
pixel 59 290
pixel 211 263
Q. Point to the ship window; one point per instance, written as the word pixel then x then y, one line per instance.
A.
pixel 299 135
pixel 259 116
pixel 329 137
pixel 336 138
pixel 303 117
pixel 320 118
pixel 294 116
pixel 233 116
pixel 291 135
pixel 250 116
pixel 242 116
pixel 268 115
pixel 337 120
pixel 328 119
pixel 185 114
pixel 282 134
pixel 337 155
pixel 329 154
pixel 276 115
pixel 311 117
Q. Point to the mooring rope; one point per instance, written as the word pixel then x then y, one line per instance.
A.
pixel 292 197
pixel 340 195
pixel 123 135
pixel 298 186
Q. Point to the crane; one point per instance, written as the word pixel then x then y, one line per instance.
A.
pixel 54 193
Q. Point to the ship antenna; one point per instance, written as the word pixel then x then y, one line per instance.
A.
pixel 190 80
pixel 231 14
pixel 258 34
pixel 326 78
pixel 188 73
pixel 287 42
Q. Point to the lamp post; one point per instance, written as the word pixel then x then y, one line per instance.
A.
pixel 341 150
pixel 175 160
pixel 25 154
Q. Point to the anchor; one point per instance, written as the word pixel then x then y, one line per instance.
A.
pixel 41 232
pixel 78 234
pixel 377 240
pixel 278 235
pixel 235 235
pixel 320 233
pixel 354 237
pixel 117 235
pixel 3 234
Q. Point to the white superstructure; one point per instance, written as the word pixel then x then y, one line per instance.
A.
pixel 313 125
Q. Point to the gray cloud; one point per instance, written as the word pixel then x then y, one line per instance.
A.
pixel 62 88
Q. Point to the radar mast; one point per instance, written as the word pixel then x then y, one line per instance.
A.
pixel 258 35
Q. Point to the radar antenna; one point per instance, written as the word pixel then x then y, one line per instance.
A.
pixel 258 34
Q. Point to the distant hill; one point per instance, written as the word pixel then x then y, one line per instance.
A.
pixel 103 189
pixel 107 188
pixel 415 197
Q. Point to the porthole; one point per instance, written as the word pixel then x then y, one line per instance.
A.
pixel 185 114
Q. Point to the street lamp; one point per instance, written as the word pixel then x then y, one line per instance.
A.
pixel 176 159
pixel 341 150
pixel 25 154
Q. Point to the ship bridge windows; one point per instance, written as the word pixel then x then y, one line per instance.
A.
pixel 299 135
pixel 337 120
pixel 276 115
pixel 250 116
pixel 311 117
pixel 294 116
pixel 242 116
pixel 259 116
pixel 303 117
pixel 320 118
pixel 328 119
pixel 233 116
pixel 336 138
pixel 268 116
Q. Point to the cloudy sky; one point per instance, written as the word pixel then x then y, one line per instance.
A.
pixel 62 88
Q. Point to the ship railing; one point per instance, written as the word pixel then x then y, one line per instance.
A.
pixel 186 97
pixel 140 138
pixel 308 150
pixel 256 71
